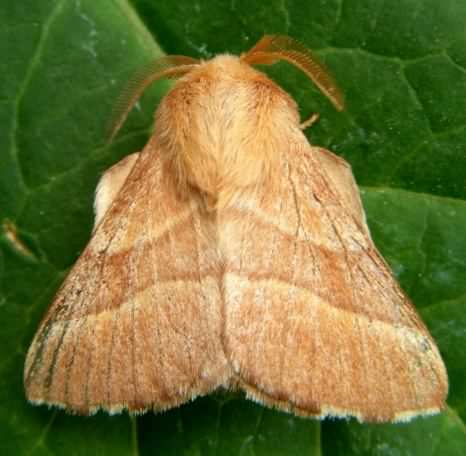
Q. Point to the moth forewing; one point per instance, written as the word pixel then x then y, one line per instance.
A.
pixel 137 323
pixel 336 336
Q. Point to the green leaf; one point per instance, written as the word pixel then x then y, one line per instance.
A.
pixel 402 68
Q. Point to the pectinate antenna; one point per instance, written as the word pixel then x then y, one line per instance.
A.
pixel 167 67
pixel 273 48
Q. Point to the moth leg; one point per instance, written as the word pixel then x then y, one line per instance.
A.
pixel 110 184
pixel 310 121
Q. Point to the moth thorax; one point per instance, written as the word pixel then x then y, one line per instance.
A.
pixel 226 133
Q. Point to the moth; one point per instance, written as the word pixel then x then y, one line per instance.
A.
pixel 231 253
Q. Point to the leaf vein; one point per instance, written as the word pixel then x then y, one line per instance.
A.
pixel 27 80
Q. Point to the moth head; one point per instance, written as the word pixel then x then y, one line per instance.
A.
pixel 269 50
pixel 223 126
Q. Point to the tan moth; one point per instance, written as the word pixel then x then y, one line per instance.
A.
pixel 231 253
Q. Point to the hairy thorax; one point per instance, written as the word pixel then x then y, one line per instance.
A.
pixel 225 126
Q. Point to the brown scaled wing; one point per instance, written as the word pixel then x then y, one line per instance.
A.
pixel 137 322
pixel 314 321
